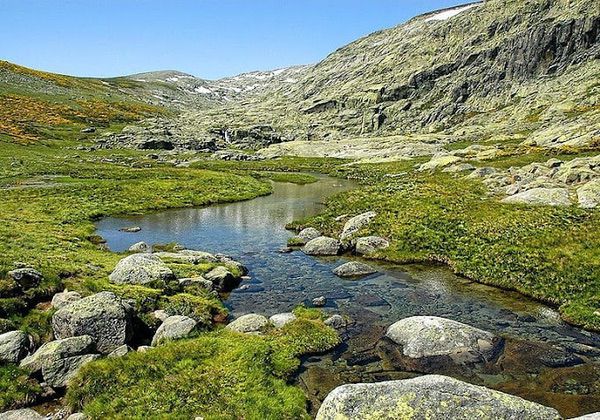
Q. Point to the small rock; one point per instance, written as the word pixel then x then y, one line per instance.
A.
pixel 482 172
pixel 21 414
pixel 309 234
pixel 248 324
pixel 353 269
pixel 285 250
pixel 174 327
pixel 26 277
pixel 143 349
pixel 322 245
pixel 356 223
pixel 88 130
pixel 139 247
pixel 319 301
pixel 160 314
pixel 370 244
pixel 279 320
pixel 132 229
pixel 14 346
pixel 64 298
pixel 336 321
pixel 77 416
pixel 120 351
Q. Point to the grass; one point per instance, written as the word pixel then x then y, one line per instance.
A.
pixel 219 375
pixel 17 389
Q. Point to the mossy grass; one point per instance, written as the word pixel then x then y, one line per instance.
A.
pixel 16 387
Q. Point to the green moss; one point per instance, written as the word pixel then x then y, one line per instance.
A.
pixel 204 308
pixel 17 389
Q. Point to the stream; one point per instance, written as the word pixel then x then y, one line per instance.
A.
pixel 253 232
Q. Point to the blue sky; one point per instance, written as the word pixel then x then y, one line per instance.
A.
pixel 207 38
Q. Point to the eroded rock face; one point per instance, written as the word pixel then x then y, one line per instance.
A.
pixel 59 360
pixel 541 196
pixel 173 328
pixel 248 324
pixel 14 346
pixel 322 245
pixel 103 316
pixel 425 337
pixel 356 223
pixel 370 244
pixel 141 269
pixel 354 269
pixel 428 397
pixel 279 320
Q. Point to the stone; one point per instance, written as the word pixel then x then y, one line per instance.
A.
pixel 64 298
pixel 460 167
pixel 370 244
pixel 222 278
pixel 141 269
pixel 319 301
pixel 120 351
pixel 59 360
pixel 77 416
pixel 103 316
pixel 21 414
pixel 143 349
pixel 200 282
pixel 139 247
pixel 26 277
pixel 425 397
pixel 248 324
pixel 309 234
pixel 424 337
pixel 131 229
pixel 323 246
pixel 279 320
pixel 356 223
pixel 14 346
pixel 336 321
pixel 160 314
pixel 353 269
pixel 588 195
pixel 439 162
pixel 173 328
pixel 541 196
pixel 482 172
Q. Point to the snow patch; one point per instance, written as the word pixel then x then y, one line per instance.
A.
pixel 447 14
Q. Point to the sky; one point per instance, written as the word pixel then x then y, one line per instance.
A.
pixel 206 38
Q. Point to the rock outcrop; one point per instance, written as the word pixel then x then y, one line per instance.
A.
pixel 428 397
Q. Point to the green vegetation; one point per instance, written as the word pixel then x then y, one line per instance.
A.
pixel 219 375
pixel 16 387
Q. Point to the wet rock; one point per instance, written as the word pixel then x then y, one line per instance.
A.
pixel 59 360
pixel 534 357
pixel 353 269
pixel 319 301
pixel 336 321
pixel 279 320
pixel 588 196
pixel 26 277
pixel 356 223
pixel 64 298
pixel 248 324
pixel 141 269
pixel 370 299
pixel 286 250
pixel 541 196
pixel 21 414
pixel 132 229
pixel 14 346
pixel 431 396
pixel 120 351
pixel 429 337
pixel 139 247
pixel 222 278
pixel 103 316
pixel 174 327
pixel 323 246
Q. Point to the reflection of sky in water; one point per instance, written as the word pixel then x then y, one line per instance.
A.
pixel 253 231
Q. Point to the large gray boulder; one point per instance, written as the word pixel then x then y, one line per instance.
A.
pixel 26 277
pixel 59 360
pixel 64 298
pixel 141 269
pixel 353 269
pixel 370 244
pixel 423 337
pixel 248 324
pixel 21 414
pixel 541 196
pixel 103 316
pixel 173 328
pixel 356 223
pixel 322 245
pixel 428 397
pixel 589 195
pixel 14 346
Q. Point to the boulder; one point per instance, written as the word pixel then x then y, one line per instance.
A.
pixel 174 327
pixel 541 196
pixel 21 414
pixel 103 316
pixel 26 277
pixel 248 324
pixel 139 247
pixel 120 351
pixel 428 397
pixel 141 269
pixel 424 337
pixel 322 245
pixel 59 360
pixel 222 279
pixel 309 234
pixel 588 195
pixel 353 269
pixel 370 244
pixel 356 223
pixel 279 320
pixel 64 298
pixel 14 346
